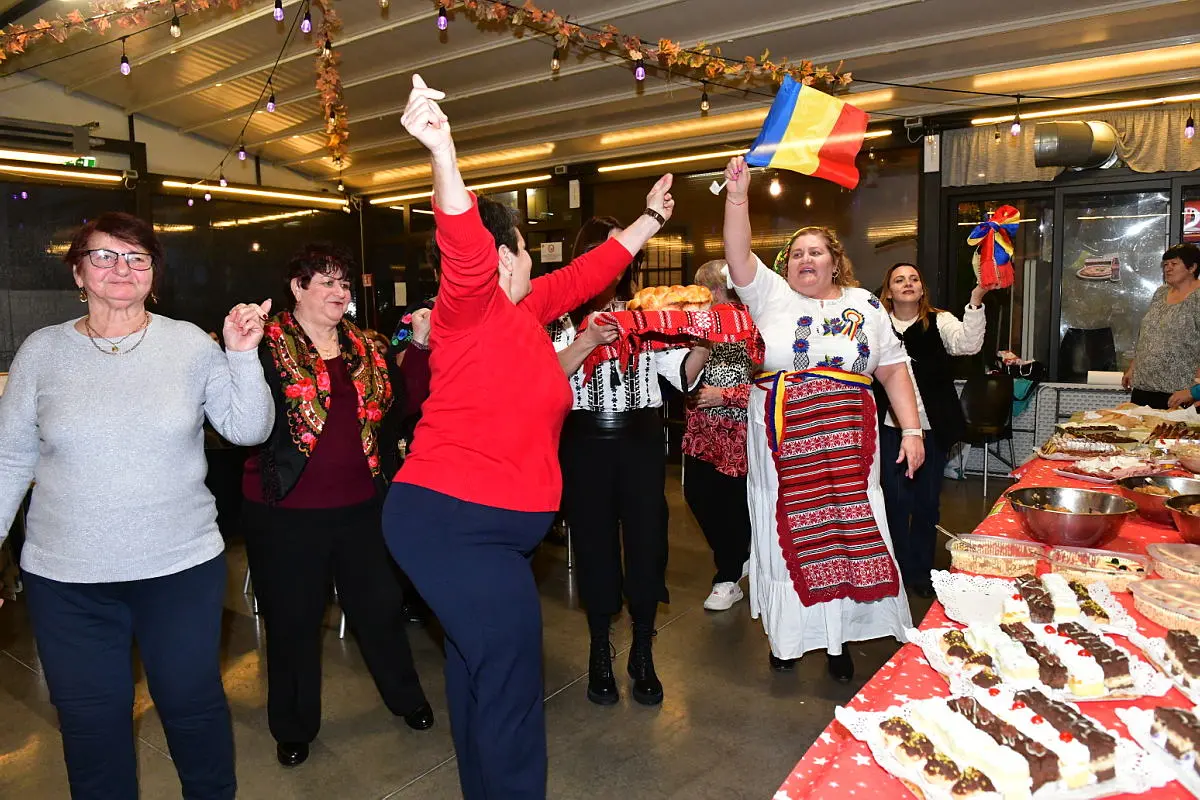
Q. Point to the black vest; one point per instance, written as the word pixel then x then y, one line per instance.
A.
pixel 935 382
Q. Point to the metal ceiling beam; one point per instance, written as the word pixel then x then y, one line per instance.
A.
pixel 451 55
pixel 775 26
pixel 192 38
pixel 19 10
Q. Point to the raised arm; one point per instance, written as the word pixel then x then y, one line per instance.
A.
pixel 586 276
pixel 423 118
pixel 738 252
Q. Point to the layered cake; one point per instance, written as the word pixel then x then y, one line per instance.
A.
pixel 1183 657
pixel 1012 661
pixel 1043 763
pixel 1068 722
pixel 1178 731
pixel 1062 596
pixel 956 650
pixel 1114 662
pixel 1031 601
pixel 1074 758
pixel 1093 610
pixel 1051 670
pixel 962 741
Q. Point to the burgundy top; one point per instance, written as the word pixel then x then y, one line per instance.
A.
pixel 337 474
pixel 415 369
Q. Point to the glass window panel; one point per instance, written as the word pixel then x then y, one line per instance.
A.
pixel 1111 266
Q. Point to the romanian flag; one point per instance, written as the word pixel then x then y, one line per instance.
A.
pixel 810 132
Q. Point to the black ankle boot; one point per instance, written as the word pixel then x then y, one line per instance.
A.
pixel 602 686
pixel 647 689
pixel 841 667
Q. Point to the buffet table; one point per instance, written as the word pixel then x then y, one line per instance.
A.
pixel 837 764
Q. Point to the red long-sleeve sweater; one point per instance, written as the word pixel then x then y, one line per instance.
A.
pixel 498 396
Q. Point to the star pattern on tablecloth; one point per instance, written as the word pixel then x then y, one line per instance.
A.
pixel 862 760
pixel 901 698
pixel 922 662
pixel 820 762
pixel 826 738
pixel 781 795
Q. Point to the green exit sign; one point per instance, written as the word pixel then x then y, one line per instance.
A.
pixel 82 161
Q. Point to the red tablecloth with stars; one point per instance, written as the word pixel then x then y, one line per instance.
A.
pixel 837 764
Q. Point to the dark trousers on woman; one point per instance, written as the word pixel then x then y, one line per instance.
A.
pixel 614 478
pixel 913 504
pixel 1146 397
pixel 85 634
pixel 296 556
pixel 470 563
pixel 718 501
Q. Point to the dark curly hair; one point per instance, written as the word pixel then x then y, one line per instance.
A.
pixel 1186 252
pixel 321 258
pixel 498 219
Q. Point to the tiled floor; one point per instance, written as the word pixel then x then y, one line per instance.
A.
pixel 729 727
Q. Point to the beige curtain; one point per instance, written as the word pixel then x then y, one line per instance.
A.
pixel 1148 140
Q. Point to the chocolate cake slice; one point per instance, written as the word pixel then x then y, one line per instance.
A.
pixel 1043 764
pixel 986 678
pixel 1101 746
pixel 1041 607
pixel 1087 605
pixel 972 783
pixel 1114 662
pixel 1179 729
pixel 1183 655
pixel 1051 670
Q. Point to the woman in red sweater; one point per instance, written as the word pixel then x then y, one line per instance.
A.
pixel 480 490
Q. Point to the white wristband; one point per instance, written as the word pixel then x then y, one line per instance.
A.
pixel 913 432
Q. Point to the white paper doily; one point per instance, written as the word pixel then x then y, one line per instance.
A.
pixel 1147 681
pixel 1136 772
pixel 1139 721
pixel 1155 650
pixel 974 600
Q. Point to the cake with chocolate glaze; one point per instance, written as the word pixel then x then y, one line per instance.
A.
pixel 1101 745
pixel 1183 657
pixel 1177 730
pixel 1112 661
pixel 1043 764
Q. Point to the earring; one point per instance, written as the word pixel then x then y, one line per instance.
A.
pixel 153 297
pixel 82 295
pixel 835 273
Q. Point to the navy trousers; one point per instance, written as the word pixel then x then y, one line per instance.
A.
pixel 85 634
pixel 913 505
pixel 471 565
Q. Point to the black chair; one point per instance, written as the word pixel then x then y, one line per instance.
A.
pixel 987 402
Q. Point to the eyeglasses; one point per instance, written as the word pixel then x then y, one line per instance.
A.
pixel 107 259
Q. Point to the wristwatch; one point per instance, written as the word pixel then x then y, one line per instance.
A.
pixel 920 434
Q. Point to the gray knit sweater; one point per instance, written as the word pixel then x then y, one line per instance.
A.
pixel 115 445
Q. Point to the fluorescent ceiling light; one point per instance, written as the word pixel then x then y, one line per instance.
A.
pixel 233 223
pixel 396 198
pixel 1115 105
pixel 41 158
pixel 662 162
pixel 239 191
pixel 63 174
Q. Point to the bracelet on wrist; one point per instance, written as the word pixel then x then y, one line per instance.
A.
pixel 913 432
pixel 730 200
pixel 650 212
pixel 419 345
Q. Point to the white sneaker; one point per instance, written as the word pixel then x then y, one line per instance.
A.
pixel 723 596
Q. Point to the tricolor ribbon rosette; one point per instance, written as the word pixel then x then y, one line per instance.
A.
pixel 994 239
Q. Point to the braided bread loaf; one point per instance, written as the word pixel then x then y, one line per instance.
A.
pixel 674 298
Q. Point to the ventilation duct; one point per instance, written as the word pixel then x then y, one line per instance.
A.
pixel 1078 145
pixel 25 134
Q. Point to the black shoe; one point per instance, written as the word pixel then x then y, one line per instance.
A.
pixel 420 718
pixel 413 612
pixel 647 689
pixel 291 754
pixel 602 686
pixel 783 664
pixel 841 667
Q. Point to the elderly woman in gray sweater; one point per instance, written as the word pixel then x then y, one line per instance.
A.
pixel 105 415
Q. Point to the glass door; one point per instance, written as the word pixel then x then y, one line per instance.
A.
pixel 1112 246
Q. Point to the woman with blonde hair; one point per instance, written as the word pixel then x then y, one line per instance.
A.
pixel 931 337
pixel 714 450
pixel 822 572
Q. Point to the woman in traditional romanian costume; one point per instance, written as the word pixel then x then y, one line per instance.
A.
pixel 822 569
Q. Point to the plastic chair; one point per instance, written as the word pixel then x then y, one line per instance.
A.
pixel 987 402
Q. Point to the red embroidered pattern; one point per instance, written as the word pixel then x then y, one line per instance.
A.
pixel 305 381
pixel 827 531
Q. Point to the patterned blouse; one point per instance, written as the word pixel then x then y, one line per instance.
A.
pixel 718 435
pixel 1168 345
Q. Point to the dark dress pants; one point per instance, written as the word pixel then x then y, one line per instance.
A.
pixel 913 504
pixel 718 501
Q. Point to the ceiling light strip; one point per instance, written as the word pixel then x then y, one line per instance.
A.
pixel 397 198
pixel 239 191
pixel 63 174
pixel 1116 105
pixel 662 162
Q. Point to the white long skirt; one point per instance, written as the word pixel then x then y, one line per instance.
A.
pixel 793 628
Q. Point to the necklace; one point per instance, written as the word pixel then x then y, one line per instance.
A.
pixel 115 347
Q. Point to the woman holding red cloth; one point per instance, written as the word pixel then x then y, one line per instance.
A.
pixel 822 569
pixel 480 490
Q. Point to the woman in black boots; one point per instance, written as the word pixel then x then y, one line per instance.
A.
pixel 614 474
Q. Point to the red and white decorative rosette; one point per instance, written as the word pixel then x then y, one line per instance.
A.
pixel 640 331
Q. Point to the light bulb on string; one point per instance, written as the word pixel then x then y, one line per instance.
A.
pixel 306 23
pixel 704 104
pixel 1015 130
pixel 327 48
pixel 207 196
pixel 278 12
pixel 555 60
pixel 1189 129
pixel 384 3
pixel 270 98
pixel 222 180
pixel 775 189
pixel 808 201
pixel 176 28
pixel 639 70
pixel 191 202
pixel 332 114
pixel 341 186
pixel 125 67
pixel 443 21
pixel 241 152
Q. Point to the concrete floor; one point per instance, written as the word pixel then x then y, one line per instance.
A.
pixel 729 727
